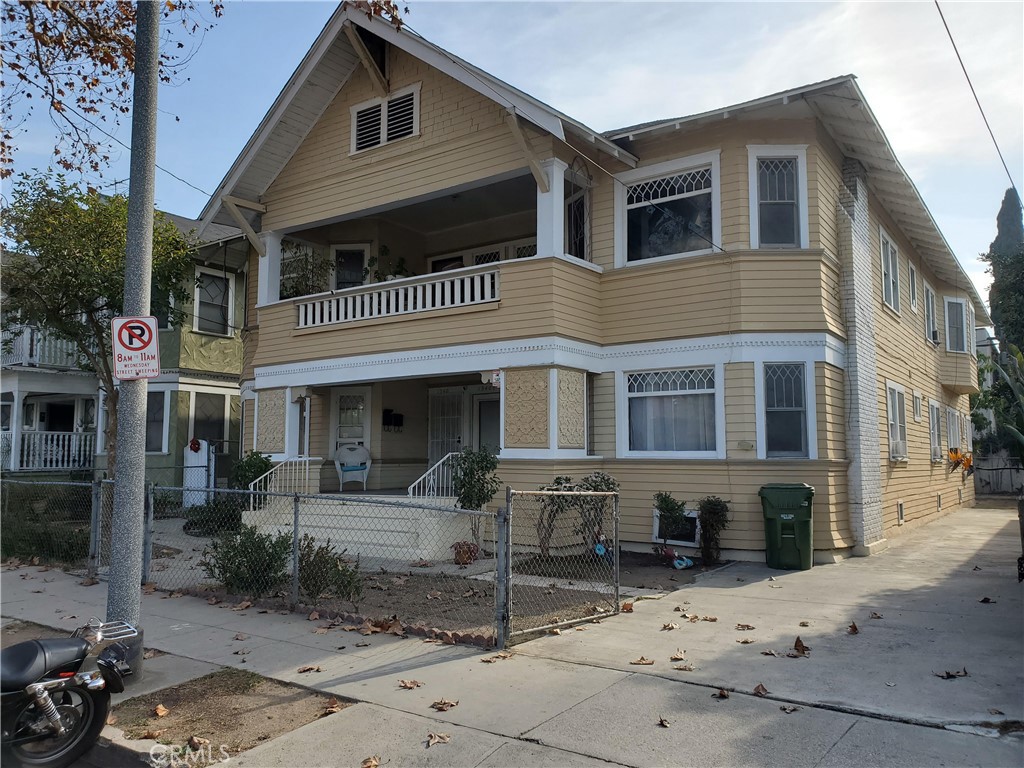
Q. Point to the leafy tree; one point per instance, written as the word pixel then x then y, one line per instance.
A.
pixel 76 60
pixel 65 272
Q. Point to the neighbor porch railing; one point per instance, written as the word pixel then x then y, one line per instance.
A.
pixel 446 290
pixel 436 481
pixel 51 451
pixel 298 474
pixel 24 345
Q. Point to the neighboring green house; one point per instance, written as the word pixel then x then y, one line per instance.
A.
pixel 52 412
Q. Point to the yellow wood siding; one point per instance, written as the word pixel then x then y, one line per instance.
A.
pixel 603 415
pixel 831 407
pixel 740 416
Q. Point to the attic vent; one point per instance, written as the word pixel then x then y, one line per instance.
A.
pixel 382 121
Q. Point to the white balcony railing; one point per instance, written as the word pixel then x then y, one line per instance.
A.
pixel 24 345
pixel 459 288
pixel 51 451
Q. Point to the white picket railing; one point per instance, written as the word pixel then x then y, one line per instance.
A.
pixel 436 481
pixel 25 345
pixel 298 474
pixel 53 451
pixel 459 288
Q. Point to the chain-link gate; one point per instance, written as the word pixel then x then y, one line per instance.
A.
pixel 558 560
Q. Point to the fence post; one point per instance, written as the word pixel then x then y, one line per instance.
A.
pixel 615 545
pixel 94 529
pixel 147 535
pixel 503 572
pixel 295 551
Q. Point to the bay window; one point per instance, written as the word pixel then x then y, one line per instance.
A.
pixel 778 196
pixel 673 412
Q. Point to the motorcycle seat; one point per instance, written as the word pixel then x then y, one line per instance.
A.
pixel 25 663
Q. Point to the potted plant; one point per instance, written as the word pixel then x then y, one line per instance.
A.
pixel 382 268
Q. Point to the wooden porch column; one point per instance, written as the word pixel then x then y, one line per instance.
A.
pixel 551 209
pixel 16 419
pixel 268 288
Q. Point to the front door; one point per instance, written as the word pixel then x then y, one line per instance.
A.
pixel 488 423
pixel 352 417
pixel 444 420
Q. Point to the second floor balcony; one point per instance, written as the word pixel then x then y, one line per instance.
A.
pixel 24 345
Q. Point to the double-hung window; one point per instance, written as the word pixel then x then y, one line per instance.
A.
pixel 931 328
pixel 214 302
pixel 778 196
pixel 785 410
pixel 672 411
pixel 957 329
pixel 897 406
pixel 935 429
pixel 952 429
pixel 912 279
pixel 890 273
pixel 382 121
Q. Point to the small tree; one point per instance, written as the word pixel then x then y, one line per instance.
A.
pixel 65 272
pixel 671 515
pixel 590 510
pixel 552 507
pixel 713 517
pixel 475 482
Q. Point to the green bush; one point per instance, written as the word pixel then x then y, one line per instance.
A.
pixel 249 468
pixel 28 532
pixel 221 515
pixel 673 522
pixel 323 571
pixel 713 515
pixel 248 562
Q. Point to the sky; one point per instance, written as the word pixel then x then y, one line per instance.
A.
pixel 611 64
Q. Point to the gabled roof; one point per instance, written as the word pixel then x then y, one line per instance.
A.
pixel 321 75
pixel 841 107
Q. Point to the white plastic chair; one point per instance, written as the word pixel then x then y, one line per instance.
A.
pixel 352 460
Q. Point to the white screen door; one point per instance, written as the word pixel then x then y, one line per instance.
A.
pixel 444 424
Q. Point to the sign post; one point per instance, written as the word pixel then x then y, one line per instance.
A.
pixel 135 347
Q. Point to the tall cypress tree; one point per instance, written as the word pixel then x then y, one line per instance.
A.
pixel 1006 258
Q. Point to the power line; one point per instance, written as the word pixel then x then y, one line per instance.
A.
pixel 977 101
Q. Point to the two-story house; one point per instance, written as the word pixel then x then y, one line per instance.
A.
pixel 53 411
pixel 699 305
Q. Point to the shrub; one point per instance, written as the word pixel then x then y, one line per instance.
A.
pixel 323 571
pixel 673 522
pixel 221 515
pixel 248 562
pixel 249 468
pixel 713 515
pixel 475 482
pixel 28 533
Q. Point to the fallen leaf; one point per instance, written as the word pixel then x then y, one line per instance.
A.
pixel 805 623
pixel 153 733
pixel 212 600
pixel 314 616
pixel 774 586
pixel 555 631
pixel 994 711
pixel 371 762
pixel 242 606
pixel 435 595
pixel 241 652
pixel 669 626
pixel 409 684
pixel 769 652
pixel 581 629
pixel 642 661
pixel 975 568
pixel 421 564
pixel 789 709
pixel 987 600
pixel 738 578
pixel 149 653
pixel 111 718
pixel 241 636
pixel 399 580
pixel 443 705
pixel 745 641
pixel 745 627
pixel 89 581
pixel 760 690
pixel 772 578
pixel 663 722
pixel 709 618
pixel 679 655
pixel 722 694
pixel 308 668
pixel 161 710
pixel 148 588
pixel 331 707
pixel 505 654
pixel 684 667
pixel 947 675
pixel 195 742
pixel 67 618
pixel 175 595
pixel 852 629
pixel 437 738
pixel 875 615
pixel 627 607
pixel 320 631
pixel 891 685
pixel 362 645
pixel 678 609
pixel 799 646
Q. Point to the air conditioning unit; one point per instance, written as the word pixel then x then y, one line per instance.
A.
pixel 936 453
pixel 898 450
pixel 935 337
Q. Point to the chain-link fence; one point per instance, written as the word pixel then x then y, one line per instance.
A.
pixel 48 523
pixel 562 564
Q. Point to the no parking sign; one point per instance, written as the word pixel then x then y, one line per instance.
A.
pixel 135 347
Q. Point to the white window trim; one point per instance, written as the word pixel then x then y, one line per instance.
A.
pixel 946 301
pixel 935 436
pixel 754 153
pixel 229 277
pixel 883 238
pixel 622 449
pixel 659 170
pixel 899 389
pixel 913 284
pixel 101 420
pixel 935 317
pixel 952 417
pixel 810 409
pixel 918 407
pixel 383 100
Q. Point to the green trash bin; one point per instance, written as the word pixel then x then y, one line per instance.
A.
pixel 788 525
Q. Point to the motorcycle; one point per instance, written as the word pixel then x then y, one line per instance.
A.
pixel 51 712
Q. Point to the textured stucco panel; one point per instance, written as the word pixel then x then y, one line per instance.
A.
pixel 572 409
pixel 270 421
pixel 526 408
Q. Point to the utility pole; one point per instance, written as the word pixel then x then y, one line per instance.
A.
pixel 124 591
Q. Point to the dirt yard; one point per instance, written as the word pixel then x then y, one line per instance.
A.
pixel 20 631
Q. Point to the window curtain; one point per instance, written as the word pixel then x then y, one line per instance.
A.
pixel 672 423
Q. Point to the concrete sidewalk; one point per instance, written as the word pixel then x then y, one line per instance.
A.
pixel 574 699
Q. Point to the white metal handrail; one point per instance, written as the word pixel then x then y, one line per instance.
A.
pixel 436 481
pixel 56 451
pixel 464 287
pixel 293 475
